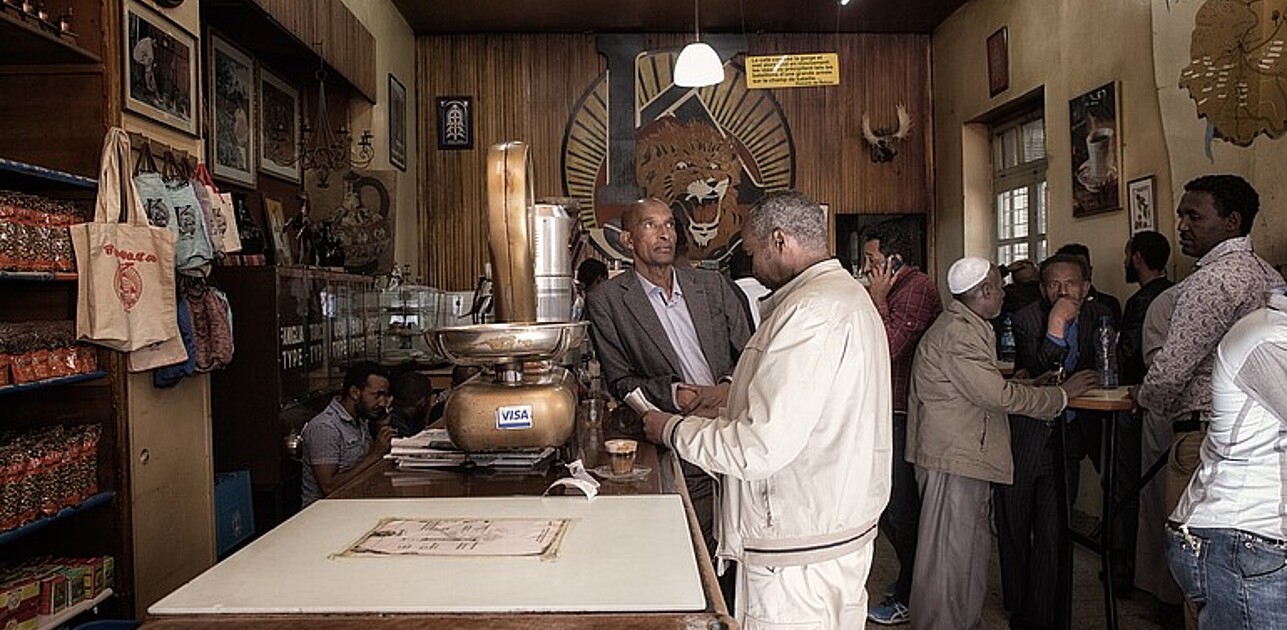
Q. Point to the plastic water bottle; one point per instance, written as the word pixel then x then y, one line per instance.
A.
pixel 1106 353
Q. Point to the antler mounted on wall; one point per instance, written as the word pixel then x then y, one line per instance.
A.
pixel 884 145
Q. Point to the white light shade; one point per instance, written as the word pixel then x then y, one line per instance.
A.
pixel 698 66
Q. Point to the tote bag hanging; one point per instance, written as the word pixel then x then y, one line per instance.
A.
pixel 125 287
pixel 224 233
pixel 151 191
pixel 193 253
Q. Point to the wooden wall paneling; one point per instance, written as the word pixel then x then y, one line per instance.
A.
pixel 833 165
pixel 524 87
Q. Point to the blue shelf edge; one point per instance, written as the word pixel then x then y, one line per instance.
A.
pixel 38 276
pixel 92 502
pixel 53 382
pixel 14 166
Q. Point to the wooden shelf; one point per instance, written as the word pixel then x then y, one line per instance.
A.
pixel 48 622
pixel 41 173
pixel 23 42
pixel 53 382
pixel 92 502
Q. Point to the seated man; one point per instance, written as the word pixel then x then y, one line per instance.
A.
pixel 410 403
pixel 337 443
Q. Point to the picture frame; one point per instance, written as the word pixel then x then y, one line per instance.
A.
pixel 232 112
pixel 276 216
pixel 455 122
pixel 1096 151
pixel 999 61
pixel 279 127
pixel 160 74
pixel 1140 199
pixel 397 123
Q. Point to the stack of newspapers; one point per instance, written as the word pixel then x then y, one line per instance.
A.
pixel 432 448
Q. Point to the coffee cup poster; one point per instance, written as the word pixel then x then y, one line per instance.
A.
pixel 1096 151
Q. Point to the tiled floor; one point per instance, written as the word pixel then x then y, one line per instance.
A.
pixel 1138 611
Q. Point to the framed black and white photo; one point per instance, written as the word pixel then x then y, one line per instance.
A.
pixel 455 122
pixel 279 126
pixel 397 123
pixel 232 112
pixel 1139 196
pixel 160 68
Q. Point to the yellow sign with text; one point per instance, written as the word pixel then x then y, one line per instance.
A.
pixel 788 71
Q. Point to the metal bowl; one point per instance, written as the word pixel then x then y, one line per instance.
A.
pixel 489 344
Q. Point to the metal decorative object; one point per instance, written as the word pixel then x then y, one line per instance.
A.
pixel 323 150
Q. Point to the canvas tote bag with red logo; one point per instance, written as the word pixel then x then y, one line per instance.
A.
pixel 125 266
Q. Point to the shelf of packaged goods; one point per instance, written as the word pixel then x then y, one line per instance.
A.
pixel 93 501
pixel 53 382
pixel 49 622
pixel 23 41
pixel 46 174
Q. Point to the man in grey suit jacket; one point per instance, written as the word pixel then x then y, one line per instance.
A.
pixel 673 332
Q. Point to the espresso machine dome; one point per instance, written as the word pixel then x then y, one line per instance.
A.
pixel 522 398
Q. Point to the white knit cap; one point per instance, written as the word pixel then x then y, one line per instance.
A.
pixel 967 273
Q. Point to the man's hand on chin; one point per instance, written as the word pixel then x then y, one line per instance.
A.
pixel 654 424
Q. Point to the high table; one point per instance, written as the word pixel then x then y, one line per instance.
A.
pixel 384 481
pixel 1111 402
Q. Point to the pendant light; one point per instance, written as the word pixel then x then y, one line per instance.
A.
pixel 698 64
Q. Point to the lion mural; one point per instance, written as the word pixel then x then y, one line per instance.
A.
pixel 694 167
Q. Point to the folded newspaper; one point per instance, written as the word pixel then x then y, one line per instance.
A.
pixel 432 448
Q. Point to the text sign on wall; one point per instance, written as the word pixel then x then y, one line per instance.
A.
pixel 785 71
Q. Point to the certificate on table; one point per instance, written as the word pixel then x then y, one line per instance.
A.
pixel 462 537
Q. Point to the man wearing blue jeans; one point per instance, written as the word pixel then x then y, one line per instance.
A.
pixel 1228 535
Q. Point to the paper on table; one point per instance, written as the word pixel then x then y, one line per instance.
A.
pixel 639 402
pixel 462 537
pixel 580 479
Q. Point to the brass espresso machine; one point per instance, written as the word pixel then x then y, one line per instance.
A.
pixel 522 398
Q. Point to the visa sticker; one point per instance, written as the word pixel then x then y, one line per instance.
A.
pixel 514 417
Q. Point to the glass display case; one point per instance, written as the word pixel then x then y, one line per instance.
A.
pixel 405 313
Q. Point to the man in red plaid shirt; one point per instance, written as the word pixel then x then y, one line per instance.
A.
pixel 908 302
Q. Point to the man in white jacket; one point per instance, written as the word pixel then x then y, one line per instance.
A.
pixel 805 439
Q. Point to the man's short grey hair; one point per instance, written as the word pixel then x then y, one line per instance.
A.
pixel 793 213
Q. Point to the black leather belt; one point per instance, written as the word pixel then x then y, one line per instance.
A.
pixel 1194 423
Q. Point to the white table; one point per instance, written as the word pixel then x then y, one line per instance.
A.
pixel 624 553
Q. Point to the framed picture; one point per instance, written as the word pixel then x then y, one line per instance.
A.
pixel 232 112
pixel 277 232
pixel 160 60
pixel 397 123
pixel 1139 196
pixel 999 61
pixel 1095 151
pixel 455 122
pixel 279 126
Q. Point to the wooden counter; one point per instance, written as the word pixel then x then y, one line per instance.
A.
pixel 384 481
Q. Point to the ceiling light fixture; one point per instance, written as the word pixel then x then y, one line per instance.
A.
pixel 698 64
pixel 844 2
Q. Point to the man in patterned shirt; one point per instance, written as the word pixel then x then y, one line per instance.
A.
pixel 908 302
pixel 1229 282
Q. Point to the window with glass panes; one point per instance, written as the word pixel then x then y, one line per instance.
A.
pixel 1019 188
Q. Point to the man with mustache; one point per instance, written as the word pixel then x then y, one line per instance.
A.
pixel 672 331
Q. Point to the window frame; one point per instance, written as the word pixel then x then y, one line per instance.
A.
pixel 1030 175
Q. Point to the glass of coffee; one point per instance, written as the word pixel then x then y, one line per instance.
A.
pixel 621 453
